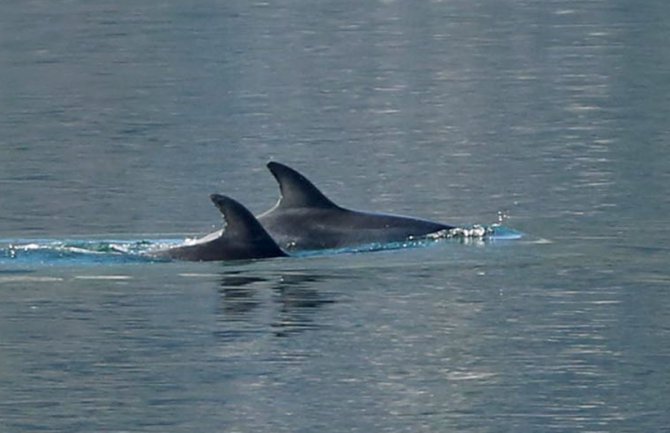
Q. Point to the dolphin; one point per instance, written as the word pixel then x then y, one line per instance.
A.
pixel 305 219
pixel 242 238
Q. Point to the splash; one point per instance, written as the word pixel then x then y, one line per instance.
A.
pixel 49 252
pixel 493 232
pixel 80 252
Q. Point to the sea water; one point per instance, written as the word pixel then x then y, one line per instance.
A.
pixel 118 119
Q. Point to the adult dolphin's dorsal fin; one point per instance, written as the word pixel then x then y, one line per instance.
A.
pixel 240 222
pixel 296 190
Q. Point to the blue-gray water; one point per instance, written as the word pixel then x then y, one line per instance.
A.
pixel 118 119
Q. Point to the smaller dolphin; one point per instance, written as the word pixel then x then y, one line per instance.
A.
pixel 305 219
pixel 242 238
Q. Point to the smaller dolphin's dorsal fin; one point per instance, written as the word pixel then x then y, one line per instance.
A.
pixel 296 190
pixel 240 222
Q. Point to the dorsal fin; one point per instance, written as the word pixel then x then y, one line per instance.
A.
pixel 240 222
pixel 296 190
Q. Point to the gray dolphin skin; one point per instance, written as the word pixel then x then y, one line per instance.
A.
pixel 305 219
pixel 242 238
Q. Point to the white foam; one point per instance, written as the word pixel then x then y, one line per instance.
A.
pixel 28 278
pixel 470 375
pixel 196 275
pixel 102 277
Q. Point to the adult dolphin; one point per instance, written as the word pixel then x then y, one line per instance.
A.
pixel 242 238
pixel 305 219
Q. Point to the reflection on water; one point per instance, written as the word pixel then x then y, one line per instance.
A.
pixel 295 297
pixel 237 298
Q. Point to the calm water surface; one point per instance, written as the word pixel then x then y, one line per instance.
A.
pixel 118 120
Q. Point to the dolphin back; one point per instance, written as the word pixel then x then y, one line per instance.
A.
pixel 305 219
